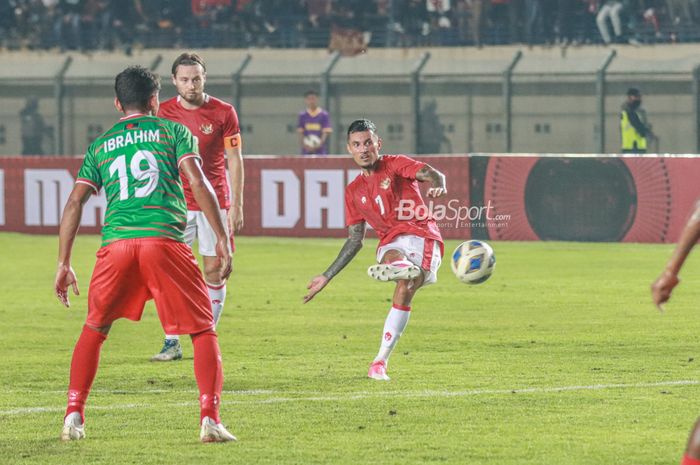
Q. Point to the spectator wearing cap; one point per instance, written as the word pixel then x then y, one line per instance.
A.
pixel 635 130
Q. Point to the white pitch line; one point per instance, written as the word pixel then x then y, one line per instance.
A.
pixel 361 395
pixel 249 392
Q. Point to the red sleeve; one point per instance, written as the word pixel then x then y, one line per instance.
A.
pixel 352 216
pixel 231 127
pixel 404 166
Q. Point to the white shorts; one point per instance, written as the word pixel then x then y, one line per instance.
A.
pixel 420 251
pixel 198 227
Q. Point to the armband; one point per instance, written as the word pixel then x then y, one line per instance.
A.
pixel 233 142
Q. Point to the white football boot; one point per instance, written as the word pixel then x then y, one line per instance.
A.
pixel 394 271
pixel 214 432
pixel 73 427
pixel 172 350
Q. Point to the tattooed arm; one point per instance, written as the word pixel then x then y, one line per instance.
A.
pixel 663 286
pixel 356 233
pixel 428 173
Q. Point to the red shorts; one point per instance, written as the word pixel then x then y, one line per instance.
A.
pixel 129 272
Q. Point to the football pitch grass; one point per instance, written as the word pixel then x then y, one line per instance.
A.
pixel 560 358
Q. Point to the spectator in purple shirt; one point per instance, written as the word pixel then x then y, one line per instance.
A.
pixel 314 127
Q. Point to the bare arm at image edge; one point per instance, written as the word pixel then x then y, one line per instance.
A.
pixel 663 286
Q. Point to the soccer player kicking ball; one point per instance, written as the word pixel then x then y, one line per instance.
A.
pixel 661 291
pixel 410 247
pixel 143 255
pixel 214 125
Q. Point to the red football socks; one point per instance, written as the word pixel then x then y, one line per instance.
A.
pixel 207 370
pixel 209 373
pixel 83 367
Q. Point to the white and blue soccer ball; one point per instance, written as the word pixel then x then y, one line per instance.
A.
pixel 473 262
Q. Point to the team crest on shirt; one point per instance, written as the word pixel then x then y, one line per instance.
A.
pixel 364 200
pixel 385 183
pixel 206 128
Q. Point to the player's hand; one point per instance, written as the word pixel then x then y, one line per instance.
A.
pixel 661 288
pixel 436 192
pixel 65 277
pixel 224 257
pixel 235 219
pixel 315 286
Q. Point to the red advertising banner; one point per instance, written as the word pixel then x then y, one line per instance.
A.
pixel 584 198
pixel 284 196
pixel 34 190
pixel 501 197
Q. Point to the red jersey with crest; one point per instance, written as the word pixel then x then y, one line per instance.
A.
pixel 387 200
pixel 210 125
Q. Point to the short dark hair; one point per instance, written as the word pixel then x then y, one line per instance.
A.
pixel 362 125
pixel 633 92
pixel 188 59
pixel 135 86
pixel 310 92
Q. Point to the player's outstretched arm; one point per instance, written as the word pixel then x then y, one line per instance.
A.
pixel 663 286
pixel 70 221
pixel 356 234
pixel 428 173
pixel 207 202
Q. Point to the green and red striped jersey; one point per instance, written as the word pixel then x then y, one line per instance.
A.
pixel 136 162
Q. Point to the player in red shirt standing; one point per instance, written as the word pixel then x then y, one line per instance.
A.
pixel 214 124
pixel 410 247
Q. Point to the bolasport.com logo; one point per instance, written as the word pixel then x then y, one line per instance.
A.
pixel 453 214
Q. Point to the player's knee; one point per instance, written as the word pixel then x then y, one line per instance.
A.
pixel 206 333
pixel 392 256
pixel 409 286
pixel 405 290
pixel 100 329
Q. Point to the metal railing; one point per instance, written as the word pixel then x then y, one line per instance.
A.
pixel 492 99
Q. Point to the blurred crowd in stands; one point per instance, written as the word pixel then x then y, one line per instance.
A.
pixel 346 25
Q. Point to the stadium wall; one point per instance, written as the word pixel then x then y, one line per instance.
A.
pixel 490 196
pixel 558 99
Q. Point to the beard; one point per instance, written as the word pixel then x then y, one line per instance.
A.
pixel 191 96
